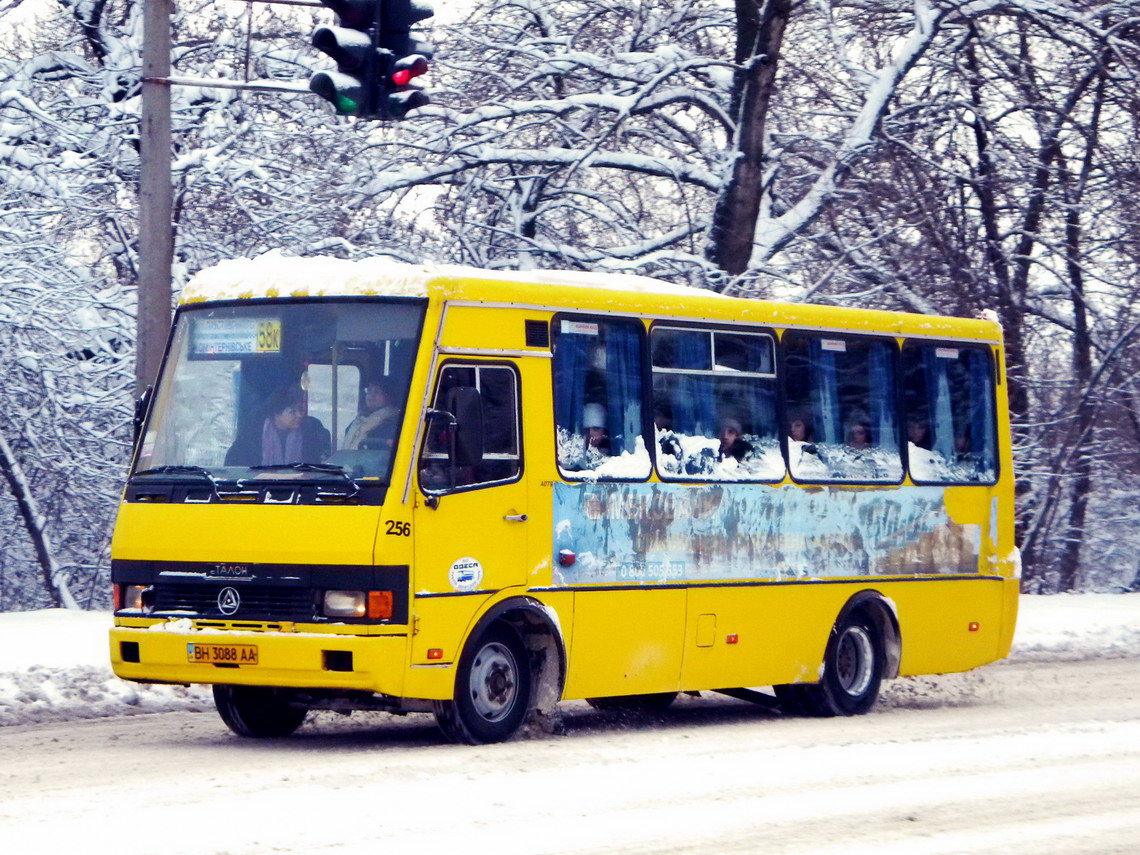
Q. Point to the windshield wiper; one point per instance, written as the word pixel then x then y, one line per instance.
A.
pixel 200 471
pixel 331 468
pixel 328 468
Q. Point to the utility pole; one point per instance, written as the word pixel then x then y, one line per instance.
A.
pixel 156 196
pixel 404 57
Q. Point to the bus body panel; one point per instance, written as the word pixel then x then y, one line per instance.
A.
pixel 626 642
pixel 497 329
pixel 441 623
pixel 777 633
pixel 473 541
pixel 753 636
pixel 234 533
pixel 949 626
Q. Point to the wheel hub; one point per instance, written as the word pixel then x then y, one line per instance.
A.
pixel 494 681
pixel 855 660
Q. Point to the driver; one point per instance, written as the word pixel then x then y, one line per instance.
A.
pixel 374 427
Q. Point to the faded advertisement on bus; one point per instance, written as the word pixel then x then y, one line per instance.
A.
pixel 653 533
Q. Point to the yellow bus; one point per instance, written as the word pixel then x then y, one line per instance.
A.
pixel 368 485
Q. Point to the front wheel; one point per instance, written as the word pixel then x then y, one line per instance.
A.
pixel 257 712
pixel 852 672
pixel 492 690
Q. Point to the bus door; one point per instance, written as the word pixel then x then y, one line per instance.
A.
pixel 470 517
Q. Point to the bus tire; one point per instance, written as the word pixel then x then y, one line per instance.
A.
pixel 658 702
pixel 852 671
pixel 492 689
pixel 259 713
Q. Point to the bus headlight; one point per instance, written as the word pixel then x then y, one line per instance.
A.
pixel 135 598
pixel 376 605
pixel 345 604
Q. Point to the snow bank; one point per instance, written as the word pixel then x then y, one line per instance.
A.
pixel 54 667
pixel 53 663
pixel 1069 627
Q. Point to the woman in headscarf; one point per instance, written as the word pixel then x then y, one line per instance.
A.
pixel 288 435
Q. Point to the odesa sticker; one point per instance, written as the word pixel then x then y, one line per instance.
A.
pixel 466 574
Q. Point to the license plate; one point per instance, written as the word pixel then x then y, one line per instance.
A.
pixel 223 654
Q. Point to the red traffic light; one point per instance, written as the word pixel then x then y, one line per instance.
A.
pixel 408 67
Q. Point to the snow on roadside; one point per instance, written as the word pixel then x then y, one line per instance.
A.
pixel 53 663
pixel 54 667
pixel 1068 627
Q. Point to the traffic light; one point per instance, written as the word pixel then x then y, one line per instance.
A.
pixel 376 58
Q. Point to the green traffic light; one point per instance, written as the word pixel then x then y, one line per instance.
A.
pixel 345 105
pixel 344 92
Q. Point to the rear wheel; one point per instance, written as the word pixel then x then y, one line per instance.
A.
pixel 492 690
pixel 852 672
pixel 634 703
pixel 257 712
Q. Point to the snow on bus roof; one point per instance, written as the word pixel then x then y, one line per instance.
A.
pixel 275 274
pixel 582 279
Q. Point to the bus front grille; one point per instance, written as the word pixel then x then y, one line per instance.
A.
pixel 264 602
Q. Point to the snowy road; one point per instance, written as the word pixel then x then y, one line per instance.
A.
pixel 1039 757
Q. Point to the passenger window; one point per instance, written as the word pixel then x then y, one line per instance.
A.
pixel 840 395
pixel 714 405
pixel 597 399
pixel 948 393
pixel 482 446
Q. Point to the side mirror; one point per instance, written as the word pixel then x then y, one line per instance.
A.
pixel 466 404
pixel 142 404
pixel 462 443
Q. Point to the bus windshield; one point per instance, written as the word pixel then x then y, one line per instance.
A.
pixel 297 390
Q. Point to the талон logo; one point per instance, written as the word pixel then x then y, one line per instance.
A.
pixel 230 570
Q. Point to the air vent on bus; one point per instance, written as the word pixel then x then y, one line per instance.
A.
pixel 537 334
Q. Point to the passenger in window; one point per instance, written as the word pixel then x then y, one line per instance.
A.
pixel 858 436
pixel 962 445
pixel 964 454
pixel 800 441
pixel 799 430
pixel 375 426
pixel 918 433
pixel 925 464
pixel 288 435
pixel 732 443
pixel 594 424
pixel 670 445
pixel 803 454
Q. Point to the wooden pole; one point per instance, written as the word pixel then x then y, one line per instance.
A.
pixel 156 196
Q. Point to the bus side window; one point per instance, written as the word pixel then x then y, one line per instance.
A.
pixel 948 395
pixel 489 395
pixel 714 404
pixel 840 407
pixel 597 399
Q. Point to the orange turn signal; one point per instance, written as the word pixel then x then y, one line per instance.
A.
pixel 435 653
pixel 732 639
pixel 379 605
pixel 975 626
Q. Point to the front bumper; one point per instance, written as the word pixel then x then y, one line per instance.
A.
pixel 287 660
